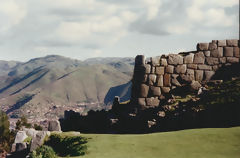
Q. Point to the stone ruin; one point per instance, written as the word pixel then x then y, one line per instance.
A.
pixel 159 75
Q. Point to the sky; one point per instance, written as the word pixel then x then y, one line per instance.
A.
pixel 84 29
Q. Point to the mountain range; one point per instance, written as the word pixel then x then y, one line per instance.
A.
pixel 46 86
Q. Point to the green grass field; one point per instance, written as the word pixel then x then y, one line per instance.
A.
pixel 196 143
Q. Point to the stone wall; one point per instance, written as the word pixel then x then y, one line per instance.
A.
pixel 155 77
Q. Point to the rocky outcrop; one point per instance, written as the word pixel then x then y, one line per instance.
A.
pixel 161 74
pixel 54 126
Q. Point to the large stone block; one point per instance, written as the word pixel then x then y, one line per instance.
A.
pixel 175 59
pixel 155 61
pixel 54 125
pixel 199 75
pixel 38 140
pixel 204 67
pixel 164 62
pixel 215 67
pixel 165 89
pixel 221 43
pixel 212 61
pixel 209 75
pixel 152 79
pixel 175 80
pixel 153 101
pixel 223 60
pixel 140 60
pixel 207 53
pixel 160 70
pixel 160 80
pixel 155 91
pixel 181 69
pixel 232 60
pixel 144 90
pixel 212 46
pixel 145 78
pixel 232 43
pixel 188 59
pixel 236 52
pixel 217 52
pixel 167 80
pixel 148 68
pixel 199 58
pixel 228 51
pixel 195 85
pixel 153 69
pixel 20 136
pixel 202 46
pixel 142 102
pixel 169 69
pixel 189 76
pixel 192 66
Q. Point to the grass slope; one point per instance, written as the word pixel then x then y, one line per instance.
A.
pixel 197 143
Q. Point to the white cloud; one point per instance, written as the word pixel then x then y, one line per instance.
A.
pixel 153 8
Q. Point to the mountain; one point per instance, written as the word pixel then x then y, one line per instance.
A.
pixel 49 85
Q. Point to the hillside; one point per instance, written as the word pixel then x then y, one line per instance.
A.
pixel 201 143
pixel 49 85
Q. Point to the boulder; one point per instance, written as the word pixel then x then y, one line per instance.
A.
pixel 54 125
pixel 160 70
pixel 155 91
pixel 199 75
pixel 152 79
pixel 153 101
pixel 209 75
pixel 212 61
pixel 232 43
pixel 236 52
pixel 202 46
pixel 175 80
pixel 144 90
pixel 195 85
pixel 212 46
pixel 189 76
pixel 20 137
pixel 207 53
pixel 170 69
pixel 148 68
pixel 175 59
pixel 38 140
pixel 221 43
pixel 30 132
pixel 181 69
pixel 160 80
pixel 164 62
pixel 165 89
pixel 217 52
pixel 167 80
pixel 228 51
pixel 189 59
pixel 199 58
pixel 155 61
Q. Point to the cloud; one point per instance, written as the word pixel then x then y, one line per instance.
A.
pixel 152 7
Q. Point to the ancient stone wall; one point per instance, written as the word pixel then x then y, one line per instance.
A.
pixel 157 76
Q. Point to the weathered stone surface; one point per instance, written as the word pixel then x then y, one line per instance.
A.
pixel 140 60
pixel 217 52
pixel 38 140
pixel 221 43
pixel 148 68
pixel 156 91
pixel 223 60
pixel 228 51
pixel 153 70
pixel 160 70
pixel 195 85
pixel 164 62
pixel 175 80
pixel 170 69
pixel 207 53
pixel 209 75
pixel 212 46
pixel 165 89
pixel 167 80
pixel 54 125
pixel 30 132
pixel 152 79
pixel 142 102
pixel 202 46
pixel 199 75
pixel 212 61
pixel 160 80
pixel 155 61
pixel 204 67
pixel 21 146
pixel 189 59
pixel 232 60
pixel 236 52
pixel 199 58
pixel 181 69
pixel 189 76
pixel 20 136
pixel 153 101
pixel 175 59
pixel 215 67
pixel 192 66
pixel 214 41
pixel 144 90
pixel 145 78
pixel 232 43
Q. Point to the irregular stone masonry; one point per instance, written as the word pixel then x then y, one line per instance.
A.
pixel 153 78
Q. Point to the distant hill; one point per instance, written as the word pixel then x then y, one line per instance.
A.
pixel 36 86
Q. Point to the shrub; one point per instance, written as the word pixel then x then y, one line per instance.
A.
pixel 43 152
pixel 38 127
pixel 22 122
pixel 67 145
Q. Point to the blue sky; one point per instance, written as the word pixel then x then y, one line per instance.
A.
pixel 108 28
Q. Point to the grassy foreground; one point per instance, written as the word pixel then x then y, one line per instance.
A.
pixel 197 143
